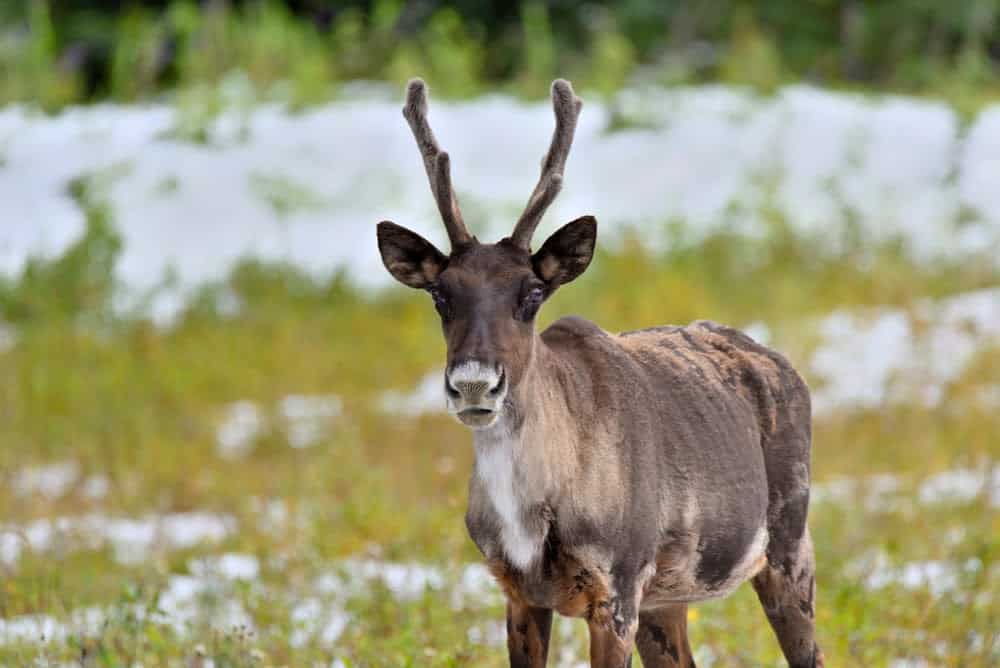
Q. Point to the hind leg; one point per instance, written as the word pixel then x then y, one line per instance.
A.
pixel 662 638
pixel 786 588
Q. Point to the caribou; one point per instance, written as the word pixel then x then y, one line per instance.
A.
pixel 617 477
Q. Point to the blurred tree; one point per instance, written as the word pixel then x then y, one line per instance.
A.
pixel 910 44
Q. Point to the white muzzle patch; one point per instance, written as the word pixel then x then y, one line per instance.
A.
pixel 475 393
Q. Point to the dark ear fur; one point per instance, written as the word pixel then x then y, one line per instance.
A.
pixel 411 259
pixel 567 253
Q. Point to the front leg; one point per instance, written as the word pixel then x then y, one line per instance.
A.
pixel 662 638
pixel 613 617
pixel 611 647
pixel 528 630
pixel 611 643
pixel 613 624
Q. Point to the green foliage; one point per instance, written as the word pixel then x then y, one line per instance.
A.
pixel 611 61
pixel 54 54
pixel 77 286
pixel 28 69
pixel 448 54
pixel 539 55
pixel 752 57
pixel 134 57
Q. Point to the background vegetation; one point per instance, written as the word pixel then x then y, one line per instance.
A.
pixel 56 53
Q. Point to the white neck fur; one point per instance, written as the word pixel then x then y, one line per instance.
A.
pixel 502 473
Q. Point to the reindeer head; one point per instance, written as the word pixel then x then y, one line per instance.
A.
pixel 489 294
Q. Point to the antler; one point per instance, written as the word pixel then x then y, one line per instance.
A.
pixel 436 163
pixel 567 108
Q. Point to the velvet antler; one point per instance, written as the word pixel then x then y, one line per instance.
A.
pixel 436 163
pixel 566 106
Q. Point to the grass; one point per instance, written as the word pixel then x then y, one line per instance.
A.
pixel 141 405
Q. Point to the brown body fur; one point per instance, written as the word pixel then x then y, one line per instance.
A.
pixel 665 452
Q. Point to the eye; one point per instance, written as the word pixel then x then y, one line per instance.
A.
pixel 530 302
pixel 440 303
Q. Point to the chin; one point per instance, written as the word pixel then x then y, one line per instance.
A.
pixel 477 418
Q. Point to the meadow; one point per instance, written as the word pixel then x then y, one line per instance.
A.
pixel 150 519
pixel 222 441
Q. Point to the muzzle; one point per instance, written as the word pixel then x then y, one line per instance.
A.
pixel 475 392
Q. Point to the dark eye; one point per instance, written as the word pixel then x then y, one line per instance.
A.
pixel 440 303
pixel 530 302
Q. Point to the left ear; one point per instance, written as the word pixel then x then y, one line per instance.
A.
pixel 411 259
pixel 567 253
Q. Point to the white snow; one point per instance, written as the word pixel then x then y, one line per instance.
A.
pixel 938 577
pixel 309 187
pixel 184 601
pixel 491 633
pixel 206 598
pixel 962 486
pixel 887 492
pixel 313 618
pixel 867 358
pixel 229 566
pixel 188 600
pixel 876 493
pixel 96 487
pixel 51 480
pixel 307 417
pixel 41 627
pixel 239 429
pixel 426 398
pixel 131 539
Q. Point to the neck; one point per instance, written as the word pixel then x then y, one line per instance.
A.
pixel 536 424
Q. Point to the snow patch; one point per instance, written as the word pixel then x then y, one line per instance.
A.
pixel 938 577
pixel 279 188
pixel 887 492
pixel 307 417
pixel 239 429
pixel 866 359
pixel 229 566
pixel 425 399
pixel 51 480
pixel 131 539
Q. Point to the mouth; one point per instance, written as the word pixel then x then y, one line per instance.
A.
pixel 477 417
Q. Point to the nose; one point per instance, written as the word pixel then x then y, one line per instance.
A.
pixel 475 382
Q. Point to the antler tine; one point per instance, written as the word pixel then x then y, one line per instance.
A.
pixel 436 163
pixel 566 106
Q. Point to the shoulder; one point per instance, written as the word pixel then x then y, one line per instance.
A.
pixel 574 327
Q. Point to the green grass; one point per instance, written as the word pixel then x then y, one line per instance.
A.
pixel 140 405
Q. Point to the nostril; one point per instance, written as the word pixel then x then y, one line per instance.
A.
pixel 474 382
pixel 472 388
pixel 501 384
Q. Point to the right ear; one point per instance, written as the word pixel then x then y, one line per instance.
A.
pixel 411 259
pixel 567 253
